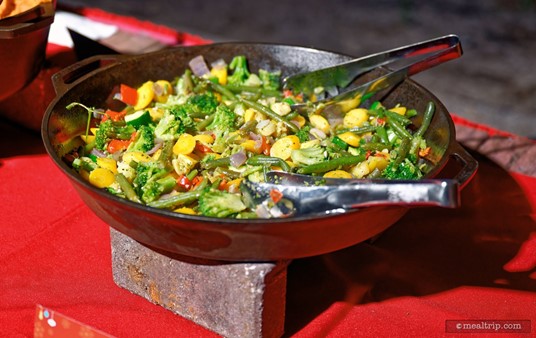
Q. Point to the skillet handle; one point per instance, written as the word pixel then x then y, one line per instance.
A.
pixel 470 165
pixel 65 78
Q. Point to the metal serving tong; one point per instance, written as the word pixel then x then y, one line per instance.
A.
pixel 335 79
pixel 285 195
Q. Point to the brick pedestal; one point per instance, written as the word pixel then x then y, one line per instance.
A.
pixel 231 299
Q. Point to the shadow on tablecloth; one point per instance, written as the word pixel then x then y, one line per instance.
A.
pixel 430 251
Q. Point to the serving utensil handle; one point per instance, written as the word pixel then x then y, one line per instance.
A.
pixel 67 77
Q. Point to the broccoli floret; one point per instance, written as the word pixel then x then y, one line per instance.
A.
pixel 151 181
pixel 177 119
pixel 224 119
pixel 240 70
pixel 270 80
pixel 169 128
pixel 144 140
pixel 307 156
pixel 145 171
pixel 303 133
pixel 404 171
pixel 182 114
pixel 203 103
pixel 109 130
pixel 155 188
pixel 223 123
pixel 216 203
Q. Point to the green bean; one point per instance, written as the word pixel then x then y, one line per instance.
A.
pixel 291 115
pixel 251 89
pixel 268 160
pixel 176 200
pixel 357 130
pixel 400 118
pixel 188 84
pixel 220 162
pixel 399 129
pixel 390 115
pixel 402 151
pixel 192 174
pixel 165 155
pixel 216 183
pixel 319 168
pixel 382 133
pixel 222 90
pixel 205 122
pixel 427 117
pixel 251 170
pixel 375 146
pixel 127 188
pixel 270 113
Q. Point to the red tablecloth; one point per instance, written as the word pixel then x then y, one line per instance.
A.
pixel 477 262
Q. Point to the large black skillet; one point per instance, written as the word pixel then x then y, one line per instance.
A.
pixel 92 80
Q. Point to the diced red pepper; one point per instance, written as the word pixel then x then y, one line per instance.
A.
pixel 265 147
pixel 114 116
pixel 202 148
pixel 367 155
pixel 197 181
pixel 117 145
pixel 129 95
pixel 276 195
pixel 184 183
pixel 223 185
pixel 381 121
pixel 425 152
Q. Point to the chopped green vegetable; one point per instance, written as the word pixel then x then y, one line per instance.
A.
pixel 239 67
pixel 216 203
pixel 308 156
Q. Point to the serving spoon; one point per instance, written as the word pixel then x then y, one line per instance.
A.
pixel 285 195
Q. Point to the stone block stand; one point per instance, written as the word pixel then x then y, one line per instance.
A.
pixel 231 299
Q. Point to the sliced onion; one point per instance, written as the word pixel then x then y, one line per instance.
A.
pixel 255 136
pixel 199 66
pixel 98 113
pixel 239 158
pixel 258 145
pixel 117 155
pixel 335 121
pixel 97 153
pixel 296 123
pixel 154 149
pixel 158 89
pixel 220 63
pixel 367 138
pixel 262 124
pixel 262 211
pixel 317 133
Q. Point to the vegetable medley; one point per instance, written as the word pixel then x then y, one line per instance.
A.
pixel 186 145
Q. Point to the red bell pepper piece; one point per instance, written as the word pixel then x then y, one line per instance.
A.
pixel 129 95
pixel 276 195
pixel 197 181
pixel 184 183
pixel 114 116
pixel 117 145
pixel 265 146
pixel 203 149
